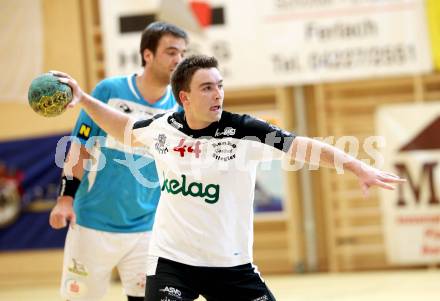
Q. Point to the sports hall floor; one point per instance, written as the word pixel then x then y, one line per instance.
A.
pixel 420 285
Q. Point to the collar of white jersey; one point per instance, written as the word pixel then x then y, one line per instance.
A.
pixel 178 121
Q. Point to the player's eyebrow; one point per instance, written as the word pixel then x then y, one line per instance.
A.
pixel 211 83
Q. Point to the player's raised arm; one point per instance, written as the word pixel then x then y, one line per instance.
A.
pixel 112 121
pixel 317 152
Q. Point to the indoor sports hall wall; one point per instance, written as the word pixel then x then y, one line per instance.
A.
pixel 62 48
pixel 58 24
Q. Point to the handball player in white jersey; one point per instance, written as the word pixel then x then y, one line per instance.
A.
pixel 206 159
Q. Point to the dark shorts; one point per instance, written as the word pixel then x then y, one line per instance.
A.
pixel 175 281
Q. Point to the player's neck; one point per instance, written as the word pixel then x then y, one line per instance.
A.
pixel 150 87
pixel 194 123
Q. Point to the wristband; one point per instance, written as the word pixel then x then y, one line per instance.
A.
pixel 69 186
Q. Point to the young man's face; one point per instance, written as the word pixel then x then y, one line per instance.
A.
pixel 203 104
pixel 170 51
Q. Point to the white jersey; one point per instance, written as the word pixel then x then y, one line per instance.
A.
pixel 207 178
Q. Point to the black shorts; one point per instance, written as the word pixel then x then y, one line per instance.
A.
pixel 175 281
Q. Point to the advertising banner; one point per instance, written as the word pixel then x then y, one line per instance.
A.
pixel 273 43
pixel 29 180
pixel 411 215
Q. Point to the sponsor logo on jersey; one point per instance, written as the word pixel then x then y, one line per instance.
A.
pixel 75 288
pixel 175 124
pixel 193 148
pixel 161 145
pixel 138 111
pixel 171 291
pixel 228 131
pixel 140 283
pixel 78 268
pixel 125 108
pixel 84 131
pixel 224 150
pixel 210 192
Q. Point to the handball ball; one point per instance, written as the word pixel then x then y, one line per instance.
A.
pixel 49 97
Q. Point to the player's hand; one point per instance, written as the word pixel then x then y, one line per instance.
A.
pixel 76 89
pixel 370 176
pixel 62 213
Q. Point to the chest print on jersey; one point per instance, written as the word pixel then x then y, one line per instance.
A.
pixel 175 123
pixel 210 192
pixel 161 144
pixel 228 131
pixel 224 150
pixel 184 148
pixel 137 111
pixel 125 108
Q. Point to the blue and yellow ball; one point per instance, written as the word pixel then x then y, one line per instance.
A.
pixel 49 97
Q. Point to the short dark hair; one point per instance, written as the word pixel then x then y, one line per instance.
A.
pixel 183 74
pixel 154 32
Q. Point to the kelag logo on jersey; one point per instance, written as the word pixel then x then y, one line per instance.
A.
pixel 210 192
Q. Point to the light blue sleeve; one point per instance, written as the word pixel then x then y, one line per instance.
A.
pixel 85 127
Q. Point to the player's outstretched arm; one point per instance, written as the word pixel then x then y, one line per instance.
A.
pixel 112 121
pixel 317 152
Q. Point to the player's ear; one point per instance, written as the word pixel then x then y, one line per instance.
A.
pixel 148 55
pixel 184 97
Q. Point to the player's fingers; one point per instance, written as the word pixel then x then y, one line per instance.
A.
pixel 52 218
pixel 399 180
pixel 62 223
pixel 73 103
pixel 52 221
pixel 396 177
pixel 64 80
pixel 72 84
pixel 390 174
pixel 69 81
pixel 57 221
pixel 71 218
pixel 389 178
pixel 59 73
pixel 383 185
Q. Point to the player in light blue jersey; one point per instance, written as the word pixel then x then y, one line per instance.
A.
pixel 112 211
pixel 107 194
